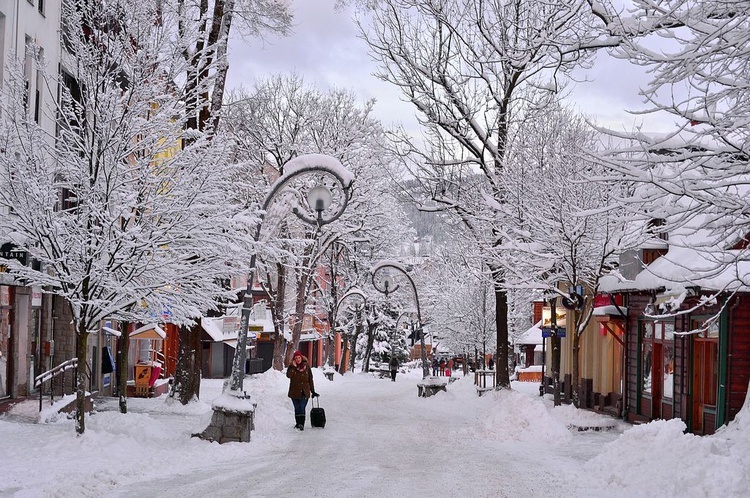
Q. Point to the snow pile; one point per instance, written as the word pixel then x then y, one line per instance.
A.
pixel 378 433
pixel 517 417
pixel 660 460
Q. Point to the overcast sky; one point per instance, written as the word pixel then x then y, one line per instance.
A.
pixel 326 51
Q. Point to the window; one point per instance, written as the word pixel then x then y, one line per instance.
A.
pixel 27 64
pixel 40 7
pixel 39 83
pixel 2 48
pixel 668 360
pixel 657 359
pixel 706 361
pixel 647 349
pixel 657 227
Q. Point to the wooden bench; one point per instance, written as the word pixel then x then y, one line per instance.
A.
pixel 328 374
pixel 529 376
pixel 380 371
pixel 430 386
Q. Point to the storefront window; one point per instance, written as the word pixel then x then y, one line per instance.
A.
pixel 657 359
pixel 712 331
pixel 646 354
pixel 706 362
pixel 668 357
pixel 666 333
pixel 4 352
pixel 4 341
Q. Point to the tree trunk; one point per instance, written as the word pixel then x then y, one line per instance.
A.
pixel 330 352
pixel 575 383
pixel 501 320
pixel 81 354
pixel 222 24
pixel 353 350
pixel 299 315
pixel 187 376
pixel 277 314
pixel 345 349
pixel 279 349
pixel 354 338
pixel 122 366
pixel 368 350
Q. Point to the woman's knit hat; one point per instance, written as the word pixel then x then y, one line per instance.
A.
pixel 296 354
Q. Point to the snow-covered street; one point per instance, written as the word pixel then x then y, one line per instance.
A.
pixel 380 440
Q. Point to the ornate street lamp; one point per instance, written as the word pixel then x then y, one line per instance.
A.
pixel 352 293
pixel 324 179
pixel 317 188
pixel 383 281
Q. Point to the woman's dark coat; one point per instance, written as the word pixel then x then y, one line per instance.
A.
pixel 300 382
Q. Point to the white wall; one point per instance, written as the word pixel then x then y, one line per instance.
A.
pixel 21 21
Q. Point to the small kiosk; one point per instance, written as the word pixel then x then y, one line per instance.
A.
pixel 147 343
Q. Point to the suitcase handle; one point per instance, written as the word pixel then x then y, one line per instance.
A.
pixel 316 402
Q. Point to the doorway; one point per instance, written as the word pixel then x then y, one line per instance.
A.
pixel 705 381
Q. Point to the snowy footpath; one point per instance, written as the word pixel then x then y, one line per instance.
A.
pixel 380 440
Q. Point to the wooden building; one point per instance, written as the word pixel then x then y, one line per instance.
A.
pixel 687 338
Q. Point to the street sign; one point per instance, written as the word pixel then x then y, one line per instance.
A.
pixel 547 332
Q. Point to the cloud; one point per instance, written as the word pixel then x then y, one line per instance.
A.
pixel 326 51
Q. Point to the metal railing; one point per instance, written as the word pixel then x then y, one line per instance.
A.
pixel 51 374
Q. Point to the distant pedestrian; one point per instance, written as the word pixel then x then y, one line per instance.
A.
pixel 301 387
pixel 394 367
pixel 491 363
pixel 435 366
pixel 442 366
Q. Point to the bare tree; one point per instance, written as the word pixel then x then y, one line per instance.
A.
pixel 281 119
pixel 203 28
pixel 473 70
pixel 564 232
pixel 698 80
pixel 140 221
pixel 201 36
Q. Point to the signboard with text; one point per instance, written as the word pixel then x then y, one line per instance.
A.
pixel 548 332
pixel 560 318
pixel 9 251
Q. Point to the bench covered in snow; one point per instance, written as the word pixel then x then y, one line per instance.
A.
pixel 431 385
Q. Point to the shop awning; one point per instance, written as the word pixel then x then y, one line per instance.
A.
pixel 111 331
pixel 309 335
pixel 532 336
pixel 232 343
pixel 212 329
pixel 606 313
pixel 150 331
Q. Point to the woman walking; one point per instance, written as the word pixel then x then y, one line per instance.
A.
pixel 301 387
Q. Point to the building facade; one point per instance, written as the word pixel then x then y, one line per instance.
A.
pixel 29 47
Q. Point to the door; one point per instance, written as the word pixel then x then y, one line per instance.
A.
pixel 5 342
pixel 657 385
pixel 705 381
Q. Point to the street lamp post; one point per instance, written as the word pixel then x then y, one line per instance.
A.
pixel 319 201
pixel 349 294
pixel 555 335
pixel 319 188
pixel 383 282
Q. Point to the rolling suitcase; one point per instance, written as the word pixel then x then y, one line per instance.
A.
pixel 317 415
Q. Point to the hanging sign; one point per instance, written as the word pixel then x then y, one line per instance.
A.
pixel 4 296
pixel 9 251
pixel 36 297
